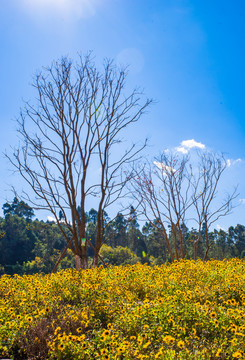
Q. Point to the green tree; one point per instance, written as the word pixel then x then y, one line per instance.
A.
pixel 155 243
pixel 17 243
pixel 239 234
pixel 116 232
pixel 135 239
pixel 19 208
pixel 220 240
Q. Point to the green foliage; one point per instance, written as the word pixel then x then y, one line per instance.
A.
pixel 118 256
pixel 28 247
pixel 35 243
pixel 19 208
pixel 17 243
pixel 46 264
pixel 116 232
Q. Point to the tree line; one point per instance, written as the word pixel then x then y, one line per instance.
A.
pixel 30 246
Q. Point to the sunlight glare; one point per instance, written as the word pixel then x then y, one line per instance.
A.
pixel 65 8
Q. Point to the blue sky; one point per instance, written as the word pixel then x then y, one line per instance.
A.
pixel 186 54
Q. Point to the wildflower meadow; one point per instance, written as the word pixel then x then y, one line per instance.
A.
pixel 184 310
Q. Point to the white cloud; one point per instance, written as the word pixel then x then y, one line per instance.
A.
pixel 230 162
pixel 186 145
pixel 65 8
pixel 51 218
pixel 242 201
pixel 165 168
pixel 220 228
pixel 189 144
pixel 182 149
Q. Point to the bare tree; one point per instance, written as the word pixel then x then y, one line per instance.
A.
pixel 71 148
pixel 205 189
pixel 163 192
pixel 169 193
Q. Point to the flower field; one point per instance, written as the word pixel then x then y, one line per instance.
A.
pixel 184 310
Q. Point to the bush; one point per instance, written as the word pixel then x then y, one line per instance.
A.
pixel 119 255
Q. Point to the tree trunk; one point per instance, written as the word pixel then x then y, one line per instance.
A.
pixel 207 240
pixel 97 250
pixel 195 249
pixel 81 261
pixel 95 260
pixel 99 238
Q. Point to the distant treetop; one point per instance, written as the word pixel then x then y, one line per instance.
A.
pixel 19 208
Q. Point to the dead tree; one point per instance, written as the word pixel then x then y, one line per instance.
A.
pixel 162 190
pixel 205 189
pixel 71 149
pixel 170 192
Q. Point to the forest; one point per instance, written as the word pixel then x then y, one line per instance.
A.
pixel 29 246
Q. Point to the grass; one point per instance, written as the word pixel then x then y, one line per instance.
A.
pixel 186 310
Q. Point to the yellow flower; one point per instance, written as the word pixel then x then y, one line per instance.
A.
pixel 57 330
pixel 119 350
pixel 29 319
pixel 106 333
pixel 126 343
pixel 213 315
pixel 181 344
pixel 61 347
pixel 216 323
pixel 237 355
pixel 139 341
pixel 218 352
pixel 168 339
pixel 104 351
pixel 146 344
